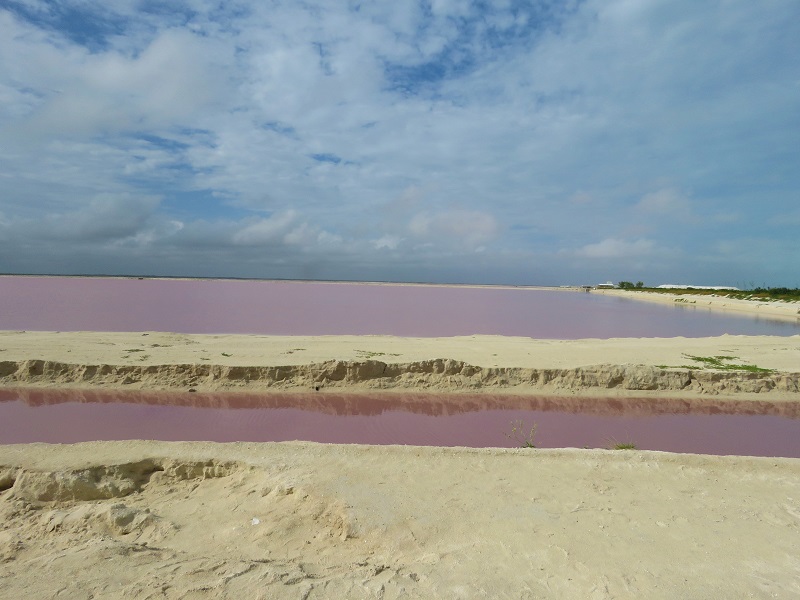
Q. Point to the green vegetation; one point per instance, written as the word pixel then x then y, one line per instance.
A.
pixel 226 354
pixel 623 446
pixel 370 354
pixel 758 294
pixel 130 351
pixel 716 362
pixel 519 436
pixel 719 363
pixel 614 444
pixel 768 294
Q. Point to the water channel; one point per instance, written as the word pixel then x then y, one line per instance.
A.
pixel 741 427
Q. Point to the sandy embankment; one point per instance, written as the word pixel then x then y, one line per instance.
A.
pixel 300 520
pixel 357 363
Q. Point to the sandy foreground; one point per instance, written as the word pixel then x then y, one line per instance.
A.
pixel 301 520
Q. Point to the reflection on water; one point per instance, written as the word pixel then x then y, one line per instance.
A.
pixel 343 404
pixel 708 426
pixel 297 308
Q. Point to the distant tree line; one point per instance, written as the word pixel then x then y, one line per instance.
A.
pixel 627 285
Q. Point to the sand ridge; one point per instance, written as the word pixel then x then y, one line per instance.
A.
pixel 153 360
pixel 440 375
pixel 781 353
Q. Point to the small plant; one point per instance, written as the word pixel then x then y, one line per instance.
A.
pixel 624 446
pixel 371 354
pixel 519 436
pixel 613 444
pixel 226 354
pixel 716 362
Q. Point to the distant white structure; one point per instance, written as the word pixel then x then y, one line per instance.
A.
pixel 676 286
pixel 605 286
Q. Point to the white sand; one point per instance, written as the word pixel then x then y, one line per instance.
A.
pixel 300 520
pixel 773 352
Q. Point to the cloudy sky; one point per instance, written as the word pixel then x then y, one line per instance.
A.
pixel 495 141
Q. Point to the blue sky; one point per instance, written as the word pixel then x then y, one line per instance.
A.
pixel 544 142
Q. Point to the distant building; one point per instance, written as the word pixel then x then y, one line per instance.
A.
pixel 605 286
pixel 675 286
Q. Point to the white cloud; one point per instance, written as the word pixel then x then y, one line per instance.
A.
pixel 388 242
pixel 65 90
pixel 267 231
pixel 285 229
pixel 617 248
pixel 105 218
pixel 459 227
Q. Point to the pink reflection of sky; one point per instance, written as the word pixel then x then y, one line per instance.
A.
pixel 69 422
pixel 298 308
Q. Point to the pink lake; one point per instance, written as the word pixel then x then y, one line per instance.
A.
pixel 740 427
pixel 317 308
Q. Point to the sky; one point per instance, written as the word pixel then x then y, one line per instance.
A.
pixel 496 141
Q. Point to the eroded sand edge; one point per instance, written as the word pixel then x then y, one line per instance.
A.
pixel 770 364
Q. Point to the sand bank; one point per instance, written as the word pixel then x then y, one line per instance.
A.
pixel 778 309
pixel 352 363
pixel 301 520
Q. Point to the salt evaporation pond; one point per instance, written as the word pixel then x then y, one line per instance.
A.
pixel 738 427
pixel 758 428
pixel 317 308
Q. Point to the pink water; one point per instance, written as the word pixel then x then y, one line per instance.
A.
pixel 308 308
pixel 295 308
pixel 754 428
